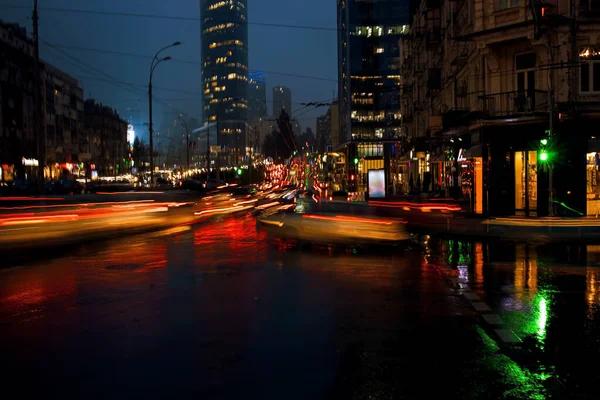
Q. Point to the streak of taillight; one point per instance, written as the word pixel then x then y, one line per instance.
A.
pixel 246 202
pixel 268 205
pixel 214 210
pixel 347 218
pixel 31 198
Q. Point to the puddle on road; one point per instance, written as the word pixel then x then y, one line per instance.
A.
pixel 548 295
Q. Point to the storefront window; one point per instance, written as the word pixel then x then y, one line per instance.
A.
pixel 593 184
pixel 526 181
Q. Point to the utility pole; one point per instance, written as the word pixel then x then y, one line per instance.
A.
pixel 38 104
pixel 151 133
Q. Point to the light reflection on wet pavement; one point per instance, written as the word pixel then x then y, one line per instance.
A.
pixel 220 312
pixel 549 296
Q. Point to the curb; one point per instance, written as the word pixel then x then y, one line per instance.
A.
pixel 490 321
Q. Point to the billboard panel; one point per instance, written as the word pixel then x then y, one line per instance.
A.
pixel 376 180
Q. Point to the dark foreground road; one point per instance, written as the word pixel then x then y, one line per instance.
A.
pixel 220 312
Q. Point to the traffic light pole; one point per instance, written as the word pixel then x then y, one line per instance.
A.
pixel 549 165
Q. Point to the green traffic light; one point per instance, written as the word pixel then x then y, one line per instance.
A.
pixel 239 171
pixel 543 156
pixel 356 161
pixel 544 142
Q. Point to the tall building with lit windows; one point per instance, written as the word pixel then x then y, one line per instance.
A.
pixel 224 44
pixel 257 96
pixel 369 37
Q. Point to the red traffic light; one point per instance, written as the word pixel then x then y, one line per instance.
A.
pixel 351 177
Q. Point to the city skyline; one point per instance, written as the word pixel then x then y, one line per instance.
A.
pixel 113 67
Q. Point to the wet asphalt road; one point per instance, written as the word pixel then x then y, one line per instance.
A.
pixel 220 312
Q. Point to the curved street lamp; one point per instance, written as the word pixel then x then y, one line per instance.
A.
pixel 155 61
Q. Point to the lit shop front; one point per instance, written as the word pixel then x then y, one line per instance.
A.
pixel 593 184
pixel 526 182
pixel 470 177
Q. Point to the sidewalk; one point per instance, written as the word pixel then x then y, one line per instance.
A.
pixel 449 218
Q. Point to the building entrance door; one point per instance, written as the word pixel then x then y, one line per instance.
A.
pixel 526 183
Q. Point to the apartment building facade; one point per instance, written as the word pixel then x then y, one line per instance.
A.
pixel 501 99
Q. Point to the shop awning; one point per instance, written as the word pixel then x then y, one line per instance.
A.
pixel 438 158
pixel 474 151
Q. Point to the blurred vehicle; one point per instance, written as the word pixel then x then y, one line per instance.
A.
pixel 212 184
pixel 306 201
pixel 64 186
pixel 108 186
pixel 23 186
pixel 163 184
pixel 339 195
pixel 333 229
pixel 192 184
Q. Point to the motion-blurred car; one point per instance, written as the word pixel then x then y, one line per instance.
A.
pixel 333 229
pixel 339 195
pixel 64 186
pixel 213 184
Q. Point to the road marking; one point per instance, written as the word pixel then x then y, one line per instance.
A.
pixel 492 319
pixel 471 296
pixel 507 336
pixel 480 306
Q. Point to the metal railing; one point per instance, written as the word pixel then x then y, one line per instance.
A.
pixel 513 103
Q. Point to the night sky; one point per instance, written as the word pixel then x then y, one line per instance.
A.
pixel 95 39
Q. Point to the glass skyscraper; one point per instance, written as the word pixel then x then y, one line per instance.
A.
pixel 369 35
pixel 224 28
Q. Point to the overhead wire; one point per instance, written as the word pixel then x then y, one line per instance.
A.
pixel 192 62
pixel 164 17
pixel 109 78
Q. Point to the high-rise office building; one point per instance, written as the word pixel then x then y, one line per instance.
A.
pixel 282 100
pixel 369 35
pixel 224 27
pixel 257 96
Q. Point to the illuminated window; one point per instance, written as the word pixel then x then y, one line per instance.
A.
pixel 212 46
pixel 229 53
pixel 379 50
pixel 217 5
pixel 213 117
pixel 589 78
pixel 219 27
pixel 232 76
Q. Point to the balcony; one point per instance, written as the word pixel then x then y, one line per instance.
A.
pixel 589 8
pixel 464 109
pixel 518 103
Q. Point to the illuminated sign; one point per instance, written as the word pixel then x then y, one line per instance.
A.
pixel 461 156
pixel 130 134
pixel 376 183
pixel 30 162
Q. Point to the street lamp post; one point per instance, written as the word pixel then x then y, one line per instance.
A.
pixel 187 140
pixel 155 61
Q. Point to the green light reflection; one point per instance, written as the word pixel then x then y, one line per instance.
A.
pixel 542 319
